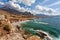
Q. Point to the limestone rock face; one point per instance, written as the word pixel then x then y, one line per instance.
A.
pixel 34 38
pixel 12 36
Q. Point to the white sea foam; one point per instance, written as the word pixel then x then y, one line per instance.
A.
pixel 46 34
pixel 42 22
pixel 55 38
pixel 19 22
pixel 50 36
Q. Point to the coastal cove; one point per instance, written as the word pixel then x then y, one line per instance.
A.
pixel 29 19
pixel 50 25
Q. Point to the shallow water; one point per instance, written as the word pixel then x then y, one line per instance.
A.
pixel 49 25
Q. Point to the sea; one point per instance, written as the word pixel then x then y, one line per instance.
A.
pixel 50 25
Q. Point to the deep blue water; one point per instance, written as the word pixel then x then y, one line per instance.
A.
pixel 53 21
pixel 53 26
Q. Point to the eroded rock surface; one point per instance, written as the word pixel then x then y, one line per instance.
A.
pixel 12 36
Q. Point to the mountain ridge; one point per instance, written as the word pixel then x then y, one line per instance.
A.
pixel 15 12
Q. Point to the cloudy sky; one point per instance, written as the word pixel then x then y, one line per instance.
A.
pixel 48 7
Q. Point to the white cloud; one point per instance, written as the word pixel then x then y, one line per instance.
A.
pixel 53 4
pixel 26 2
pixel 15 6
pixel 39 9
pixel 12 5
pixel 1 3
pixel 44 9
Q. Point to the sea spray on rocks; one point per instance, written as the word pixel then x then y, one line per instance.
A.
pixel 45 27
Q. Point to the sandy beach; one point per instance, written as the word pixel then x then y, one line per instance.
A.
pixel 19 22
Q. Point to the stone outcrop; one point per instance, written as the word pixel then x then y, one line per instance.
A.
pixel 34 38
pixel 12 36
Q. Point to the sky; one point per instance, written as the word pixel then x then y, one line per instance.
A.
pixel 47 7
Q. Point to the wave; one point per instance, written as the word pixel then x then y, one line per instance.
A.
pixel 40 22
pixel 49 29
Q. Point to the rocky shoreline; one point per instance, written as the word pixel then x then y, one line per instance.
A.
pixel 14 31
pixel 8 31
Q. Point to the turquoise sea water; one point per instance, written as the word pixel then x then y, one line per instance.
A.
pixel 50 25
